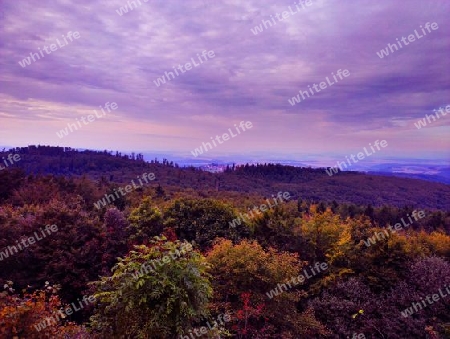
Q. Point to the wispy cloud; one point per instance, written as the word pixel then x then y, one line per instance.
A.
pixel 118 57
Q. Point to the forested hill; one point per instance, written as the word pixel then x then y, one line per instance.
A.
pixel 265 179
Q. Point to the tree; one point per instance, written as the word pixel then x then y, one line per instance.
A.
pixel 275 227
pixel 321 231
pixel 163 302
pixel 160 191
pixel 146 221
pixel 244 275
pixel 26 317
pixel 10 180
pixel 116 235
pixel 203 220
pixel 70 256
pixel 344 307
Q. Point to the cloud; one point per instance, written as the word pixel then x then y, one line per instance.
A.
pixel 117 58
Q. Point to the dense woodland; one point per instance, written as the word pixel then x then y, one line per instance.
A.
pixel 262 180
pixel 131 254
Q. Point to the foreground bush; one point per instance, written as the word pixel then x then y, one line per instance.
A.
pixel 26 317
pixel 155 292
pixel 244 276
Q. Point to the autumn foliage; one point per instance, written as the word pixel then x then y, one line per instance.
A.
pixel 229 270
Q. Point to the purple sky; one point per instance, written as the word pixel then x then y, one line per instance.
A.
pixel 117 58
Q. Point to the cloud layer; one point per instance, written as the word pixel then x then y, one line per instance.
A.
pixel 118 58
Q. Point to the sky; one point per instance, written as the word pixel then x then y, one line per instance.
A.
pixel 113 56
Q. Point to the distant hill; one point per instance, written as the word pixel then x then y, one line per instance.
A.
pixel 264 179
pixel 426 170
pixel 442 177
